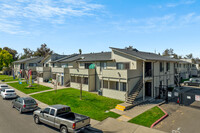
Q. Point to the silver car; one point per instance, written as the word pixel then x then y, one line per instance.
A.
pixel 25 104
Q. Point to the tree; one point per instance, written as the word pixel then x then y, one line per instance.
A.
pixel 12 51
pixel 80 51
pixel 168 52
pixel 27 53
pixel 189 56
pixel 5 59
pixel 43 51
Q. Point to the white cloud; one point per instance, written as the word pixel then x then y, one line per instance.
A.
pixel 50 11
pixel 175 4
pixel 157 24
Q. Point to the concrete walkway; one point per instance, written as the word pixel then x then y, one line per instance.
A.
pixel 50 85
pixel 111 125
pixel 135 111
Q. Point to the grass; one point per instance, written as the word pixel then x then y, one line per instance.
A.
pixel 24 87
pixel 92 105
pixel 149 117
pixel 7 78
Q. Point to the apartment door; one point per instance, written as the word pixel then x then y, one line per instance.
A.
pixel 62 80
pixel 148 69
pixel 148 89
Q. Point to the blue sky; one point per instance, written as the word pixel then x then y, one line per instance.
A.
pixel 95 25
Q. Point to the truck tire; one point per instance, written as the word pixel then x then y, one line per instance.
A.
pixel 36 119
pixel 63 129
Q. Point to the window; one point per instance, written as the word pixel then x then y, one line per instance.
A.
pixel 168 66
pixel 85 81
pixel 32 64
pixel 105 84
pixel 46 110
pixel 47 65
pixel 161 67
pixel 52 112
pixel 117 85
pixel 72 78
pixel 53 64
pixel 103 65
pixel 65 65
pixel 123 66
pixel 78 79
pixel 122 86
pixel 87 65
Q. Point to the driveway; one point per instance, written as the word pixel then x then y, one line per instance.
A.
pixel 184 119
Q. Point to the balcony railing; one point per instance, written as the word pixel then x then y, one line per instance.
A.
pixel 82 71
pixel 148 73
pixel 115 73
pixel 43 69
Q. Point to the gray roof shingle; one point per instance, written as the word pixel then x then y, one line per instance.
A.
pixel 27 59
pixel 144 55
pixel 104 56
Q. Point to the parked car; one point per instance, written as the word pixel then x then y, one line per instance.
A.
pixel 61 117
pixel 8 93
pixel 25 104
pixel 3 86
pixel 193 82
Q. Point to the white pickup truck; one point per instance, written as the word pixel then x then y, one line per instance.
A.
pixel 61 117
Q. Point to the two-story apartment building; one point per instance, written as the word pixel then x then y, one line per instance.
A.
pixel 44 71
pixel 124 74
pixel 24 65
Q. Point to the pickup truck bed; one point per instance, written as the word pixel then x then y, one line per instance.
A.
pixel 73 117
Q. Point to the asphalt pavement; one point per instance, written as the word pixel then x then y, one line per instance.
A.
pixel 11 121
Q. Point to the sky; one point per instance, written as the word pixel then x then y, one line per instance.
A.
pixel 95 25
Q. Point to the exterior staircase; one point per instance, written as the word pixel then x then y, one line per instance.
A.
pixel 135 92
pixel 67 84
pixel 130 100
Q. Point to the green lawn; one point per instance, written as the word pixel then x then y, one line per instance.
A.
pixel 149 117
pixel 24 87
pixel 7 78
pixel 91 104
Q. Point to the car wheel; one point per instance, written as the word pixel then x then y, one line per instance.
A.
pixel 20 111
pixel 13 106
pixel 63 129
pixel 36 120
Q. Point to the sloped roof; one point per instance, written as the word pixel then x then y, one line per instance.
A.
pixel 144 55
pixel 104 56
pixel 65 58
pixel 28 59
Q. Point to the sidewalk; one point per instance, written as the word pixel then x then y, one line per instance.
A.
pixel 111 125
pixel 135 111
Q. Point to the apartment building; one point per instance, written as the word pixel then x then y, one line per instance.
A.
pixel 189 65
pixel 44 71
pixel 124 74
pixel 24 65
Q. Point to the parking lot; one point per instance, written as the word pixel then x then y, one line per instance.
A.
pixel 182 119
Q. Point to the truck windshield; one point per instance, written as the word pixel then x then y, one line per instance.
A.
pixel 10 91
pixel 63 110
pixel 29 101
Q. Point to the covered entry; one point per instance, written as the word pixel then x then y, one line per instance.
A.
pixel 148 88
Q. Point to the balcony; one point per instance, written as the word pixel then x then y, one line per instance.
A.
pixel 85 72
pixel 32 68
pixel 43 69
pixel 115 73
pixel 59 70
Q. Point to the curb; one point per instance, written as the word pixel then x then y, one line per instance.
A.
pixel 163 117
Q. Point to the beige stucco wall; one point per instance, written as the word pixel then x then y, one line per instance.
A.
pixel 77 86
pixel 120 95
